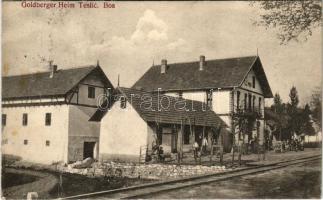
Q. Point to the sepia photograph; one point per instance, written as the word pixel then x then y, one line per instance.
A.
pixel 161 100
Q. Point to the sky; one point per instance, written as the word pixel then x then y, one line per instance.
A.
pixel 128 39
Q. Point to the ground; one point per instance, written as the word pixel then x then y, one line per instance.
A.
pixel 16 183
pixel 301 181
pixel 293 182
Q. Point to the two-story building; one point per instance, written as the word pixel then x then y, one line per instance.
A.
pixel 45 116
pixel 228 86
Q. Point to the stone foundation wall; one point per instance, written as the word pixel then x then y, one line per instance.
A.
pixel 148 171
pixel 130 170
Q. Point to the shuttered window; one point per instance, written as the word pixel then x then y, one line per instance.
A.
pixel 24 119
pixel 48 119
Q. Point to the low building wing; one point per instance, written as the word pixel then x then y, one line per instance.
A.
pixel 170 110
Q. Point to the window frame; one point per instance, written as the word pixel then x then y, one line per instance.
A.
pixel 25 142
pixel 253 82
pixel 209 98
pixel 4 120
pixel 91 92
pixel 238 100
pixel 47 143
pixel 123 102
pixel 24 119
pixel 48 121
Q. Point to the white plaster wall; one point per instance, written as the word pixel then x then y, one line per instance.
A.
pixel 14 133
pixel 247 84
pixel 193 95
pixel 172 94
pixel 83 91
pixel 196 96
pixel 123 131
pixel 221 102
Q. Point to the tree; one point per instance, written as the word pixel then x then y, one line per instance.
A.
pixel 316 104
pixel 294 20
pixel 293 125
pixel 278 106
pixel 293 95
pixel 279 109
pixel 307 126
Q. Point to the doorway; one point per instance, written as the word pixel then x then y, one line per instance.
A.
pixel 88 150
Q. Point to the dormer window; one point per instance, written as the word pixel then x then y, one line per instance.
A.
pixel 91 92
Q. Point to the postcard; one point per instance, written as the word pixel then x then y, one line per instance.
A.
pixel 172 100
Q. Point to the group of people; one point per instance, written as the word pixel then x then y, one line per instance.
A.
pixel 200 149
pixel 293 144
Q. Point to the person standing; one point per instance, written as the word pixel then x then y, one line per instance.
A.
pixel 204 145
pixel 195 149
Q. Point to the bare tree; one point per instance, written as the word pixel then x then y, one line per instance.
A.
pixel 294 20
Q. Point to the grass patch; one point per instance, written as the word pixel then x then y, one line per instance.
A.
pixel 75 184
pixel 9 179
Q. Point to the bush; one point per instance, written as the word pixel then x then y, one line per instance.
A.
pixel 313 145
pixel 8 159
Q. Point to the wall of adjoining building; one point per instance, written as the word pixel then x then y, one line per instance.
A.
pixel 81 130
pixel 123 132
pixel 36 133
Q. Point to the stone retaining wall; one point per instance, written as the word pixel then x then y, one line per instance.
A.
pixel 130 170
pixel 148 171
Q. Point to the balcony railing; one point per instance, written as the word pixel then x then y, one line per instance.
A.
pixel 249 111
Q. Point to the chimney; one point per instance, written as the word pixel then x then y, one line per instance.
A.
pixel 163 66
pixel 52 68
pixel 202 63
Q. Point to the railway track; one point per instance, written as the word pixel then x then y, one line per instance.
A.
pixel 158 187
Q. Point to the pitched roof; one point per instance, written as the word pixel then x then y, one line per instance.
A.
pixel 195 113
pixel 220 73
pixel 40 84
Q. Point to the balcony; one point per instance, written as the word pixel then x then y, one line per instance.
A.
pixel 256 112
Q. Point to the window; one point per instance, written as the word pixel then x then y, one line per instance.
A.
pixel 4 141
pixel 159 135
pixel 48 119
pixel 4 119
pixel 107 92
pixel 209 98
pixel 123 102
pixel 24 119
pixel 91 92
pixel 25 142
pixel 253 102
pixel 249 101
pixel 238 99
pixel 245 101
pixel 47 142
pixel 187 134
pixel 259 104
pixel 180 94
pixel 253 82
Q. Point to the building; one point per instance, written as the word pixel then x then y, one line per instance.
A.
pixel 231 87
pixel 139 120
pixel 45 116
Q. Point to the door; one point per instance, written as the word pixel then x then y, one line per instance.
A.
pixel 88 150
pixel 174 143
